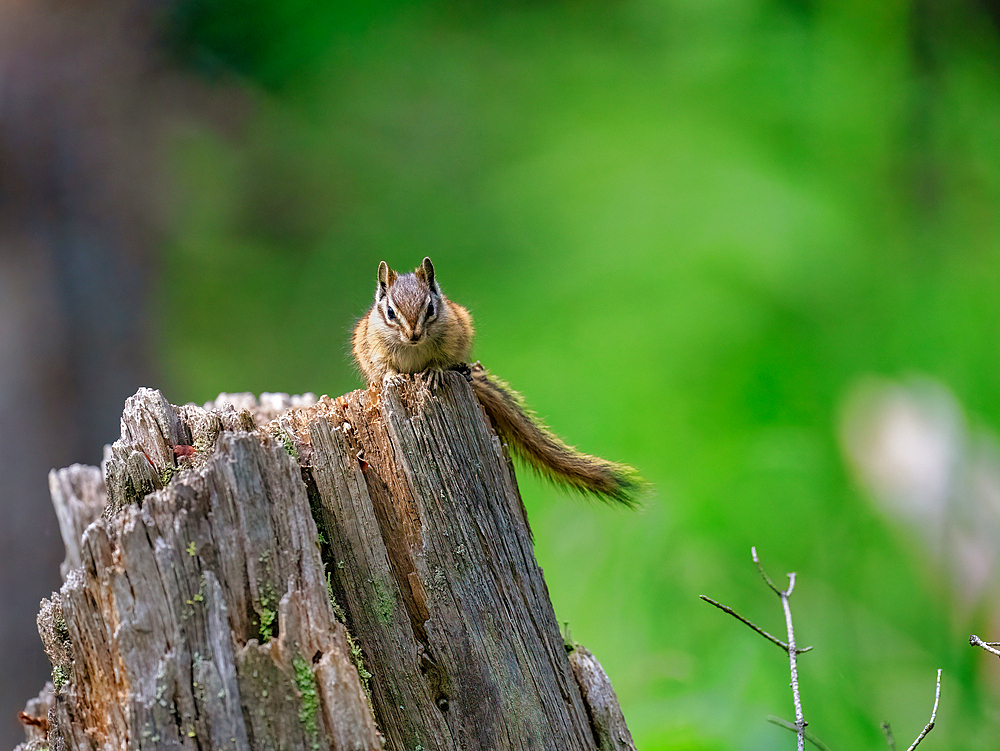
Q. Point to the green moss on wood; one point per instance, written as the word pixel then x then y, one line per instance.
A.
pixel 305 681
pixel 60 676
pixel 384 604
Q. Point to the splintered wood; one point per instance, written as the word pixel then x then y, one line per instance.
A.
pixel 353 574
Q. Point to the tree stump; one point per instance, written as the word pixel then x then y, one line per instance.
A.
pixel 351 573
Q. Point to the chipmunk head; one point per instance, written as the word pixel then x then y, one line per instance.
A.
pixel 408 303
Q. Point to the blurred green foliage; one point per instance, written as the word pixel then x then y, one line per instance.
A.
pixel 686 230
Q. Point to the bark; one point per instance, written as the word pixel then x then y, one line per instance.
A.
pixel 306 573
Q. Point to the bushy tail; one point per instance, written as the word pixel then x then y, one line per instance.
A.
pixel 531 441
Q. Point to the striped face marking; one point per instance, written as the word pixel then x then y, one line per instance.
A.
pixel 408 303
pixel 408 317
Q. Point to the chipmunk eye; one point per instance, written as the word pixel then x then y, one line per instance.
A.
pixel 390 312
pixel 430 309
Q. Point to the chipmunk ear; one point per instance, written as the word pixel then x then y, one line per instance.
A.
pixel 426 272
pixel 386 277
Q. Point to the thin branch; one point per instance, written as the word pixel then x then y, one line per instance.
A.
pixel 751 624
pixel 800 721
pixel 763 573
pixel 887 729
pixel 793 652
pixel 989 646
pixel 930 725
pixel 791 726
pixel 799 726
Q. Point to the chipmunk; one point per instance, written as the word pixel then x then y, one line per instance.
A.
pixel 414 328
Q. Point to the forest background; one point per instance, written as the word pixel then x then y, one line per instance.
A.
pixel 751 247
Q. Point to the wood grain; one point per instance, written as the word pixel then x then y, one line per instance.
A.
pixel 313 571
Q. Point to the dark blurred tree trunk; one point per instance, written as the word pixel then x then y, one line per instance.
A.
pixel 77 243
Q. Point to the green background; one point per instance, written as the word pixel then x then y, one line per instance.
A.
pixel 687 231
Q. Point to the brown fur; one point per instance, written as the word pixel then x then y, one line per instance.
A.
pixel 412 339
pixel 532 442
pixel 409 344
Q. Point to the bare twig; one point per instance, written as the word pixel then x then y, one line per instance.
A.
pixel 793 652
pixel 789 646
pixel 799 726
pixel 767 579
pixel 751 624
pixel 800 720
pixel 930 725
pixel 989 646
pixel 791 726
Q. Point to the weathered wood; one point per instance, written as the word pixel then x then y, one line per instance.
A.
pixel 435 571
pixel 203 609
pixel 79 497
pixel 605 715
pixel 200 619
